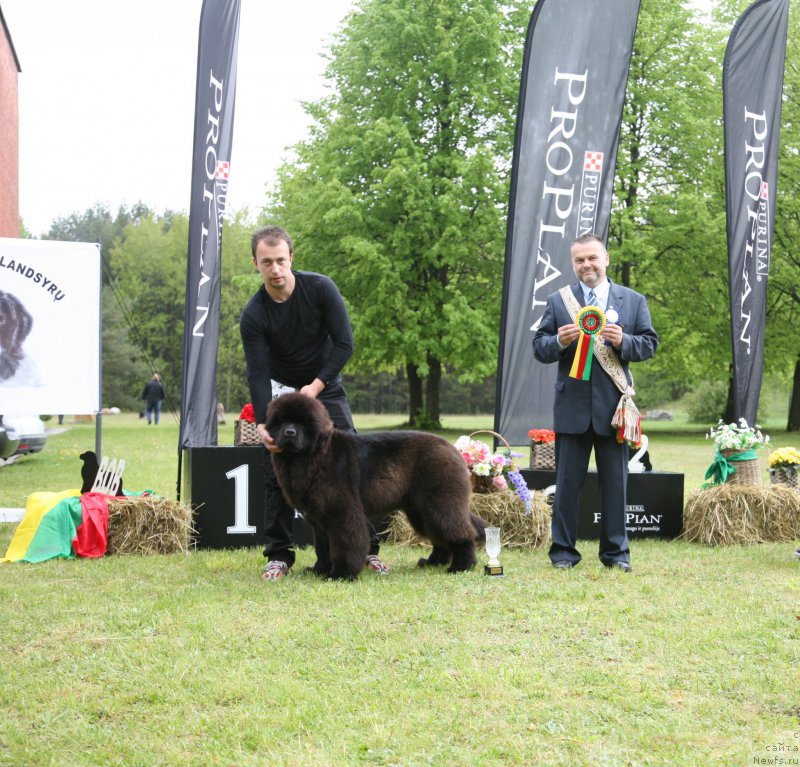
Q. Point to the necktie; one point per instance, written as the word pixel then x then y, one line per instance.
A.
pixel 591 299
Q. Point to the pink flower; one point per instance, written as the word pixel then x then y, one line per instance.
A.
pixel 500 482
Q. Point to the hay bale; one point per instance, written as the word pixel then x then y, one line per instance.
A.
pixel 503 509
pixel 742 514
pixel 147 525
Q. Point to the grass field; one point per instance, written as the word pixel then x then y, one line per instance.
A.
pixel 151 453
pixel 193 660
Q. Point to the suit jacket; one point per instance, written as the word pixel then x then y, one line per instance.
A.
pixel 580 404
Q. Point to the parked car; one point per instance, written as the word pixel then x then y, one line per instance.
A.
pixel 30 431
pixel 9 442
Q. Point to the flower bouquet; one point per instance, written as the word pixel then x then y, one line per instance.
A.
pixel 492 472
pixel 244 430
pixel 735 458
pixel 783 465
pixel 543 449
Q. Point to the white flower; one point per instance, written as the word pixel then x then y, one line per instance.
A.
pixel 739 436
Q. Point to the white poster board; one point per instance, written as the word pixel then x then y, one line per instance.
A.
pixel 50 312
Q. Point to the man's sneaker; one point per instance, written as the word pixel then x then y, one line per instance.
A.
pixel 275 570
pixel 375 564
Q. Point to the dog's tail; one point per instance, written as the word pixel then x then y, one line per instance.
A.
pixel 480 526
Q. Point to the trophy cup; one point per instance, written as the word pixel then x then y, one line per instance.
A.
pixel 493 550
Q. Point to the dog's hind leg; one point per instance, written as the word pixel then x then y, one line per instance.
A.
pixel 464 557
pixel 439 556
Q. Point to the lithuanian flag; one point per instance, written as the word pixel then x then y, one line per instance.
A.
pixel 65 525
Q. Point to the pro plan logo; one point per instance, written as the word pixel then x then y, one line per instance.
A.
pixel 223 170
pixel 761 227
pixel 590 191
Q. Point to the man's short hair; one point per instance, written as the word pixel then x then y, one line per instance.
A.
pixel 272 235
pixel 588 237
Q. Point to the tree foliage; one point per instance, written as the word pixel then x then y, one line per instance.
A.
pixel 399 194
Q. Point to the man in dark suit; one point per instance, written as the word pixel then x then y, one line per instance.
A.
pixel 584 410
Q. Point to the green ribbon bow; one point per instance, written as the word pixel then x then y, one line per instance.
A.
pixel 721 467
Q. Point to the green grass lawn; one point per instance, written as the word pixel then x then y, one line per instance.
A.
pixel 151 453
pixel 193 660
pixel 171 660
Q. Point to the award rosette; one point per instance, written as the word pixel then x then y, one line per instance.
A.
pixel 590 321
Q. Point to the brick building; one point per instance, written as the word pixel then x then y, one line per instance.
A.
pixel 9 134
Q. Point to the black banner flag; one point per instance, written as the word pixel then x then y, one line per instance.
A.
pixel 213 133
pixel 752 83
pixel 574 74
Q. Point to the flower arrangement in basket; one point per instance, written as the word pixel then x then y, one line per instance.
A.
pixel 492 472
pixel 783 466
pixel 543 449
pixel 735 458
pixel 244 430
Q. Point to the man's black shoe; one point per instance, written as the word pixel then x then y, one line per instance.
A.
pixel 624 566
pixel 563 564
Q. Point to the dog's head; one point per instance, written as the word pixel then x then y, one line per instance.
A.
pixel 15 324
pixel 298 424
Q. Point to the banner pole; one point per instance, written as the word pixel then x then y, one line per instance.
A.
pixel 98 436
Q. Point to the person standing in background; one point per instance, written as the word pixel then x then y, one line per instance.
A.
pixel 152 395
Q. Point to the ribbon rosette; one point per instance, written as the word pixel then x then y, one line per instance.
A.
pixel 590 322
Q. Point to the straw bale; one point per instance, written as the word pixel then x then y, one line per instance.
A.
pixel 148 525
pixel 742 514
pixel 502 509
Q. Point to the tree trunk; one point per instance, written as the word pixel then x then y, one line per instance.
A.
pixel 414 393
pixel 794 405
pixel 432 389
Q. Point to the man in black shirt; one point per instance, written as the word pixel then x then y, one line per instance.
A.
pixel 296 336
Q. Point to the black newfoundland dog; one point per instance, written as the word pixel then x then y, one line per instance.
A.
pixel 338 479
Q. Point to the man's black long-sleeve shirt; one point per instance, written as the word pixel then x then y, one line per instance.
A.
pixel 307 336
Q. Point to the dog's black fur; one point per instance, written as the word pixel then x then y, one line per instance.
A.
pixel 338 480
pixel 15 325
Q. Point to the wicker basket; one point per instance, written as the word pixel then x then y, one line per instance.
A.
pixel 543 456
pixel 785 477
pixel 747 472
pixel 244 433
pixel 485 484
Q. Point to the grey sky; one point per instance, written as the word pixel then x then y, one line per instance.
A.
pixel 107 98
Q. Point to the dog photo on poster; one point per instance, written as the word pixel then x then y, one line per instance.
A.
pixel 49 327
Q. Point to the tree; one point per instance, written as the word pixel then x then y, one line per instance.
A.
pixel 239 281
pixel 667 234
pixel 783 296
pixel 120 351
pixel 149 262
pixel 400 192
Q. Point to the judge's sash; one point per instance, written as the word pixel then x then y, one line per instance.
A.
pixel 626 418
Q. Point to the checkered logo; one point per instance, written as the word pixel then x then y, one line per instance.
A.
pixel 764 191
pixel 593 161
pixel 223 170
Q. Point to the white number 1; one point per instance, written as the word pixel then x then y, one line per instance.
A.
pixel 240 475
